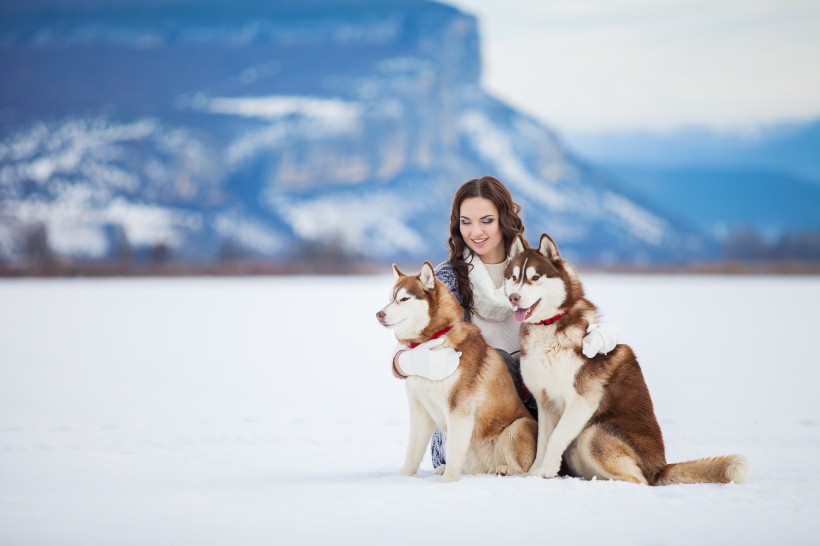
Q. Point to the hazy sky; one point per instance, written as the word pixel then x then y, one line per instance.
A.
pixel 596 65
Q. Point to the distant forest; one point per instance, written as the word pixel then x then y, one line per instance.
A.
pixel 745 251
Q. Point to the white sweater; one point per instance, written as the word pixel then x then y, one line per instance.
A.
pixel 502 334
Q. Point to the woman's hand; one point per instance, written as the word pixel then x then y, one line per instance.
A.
pixel 434 360
pixel 601 338
pixel 396 367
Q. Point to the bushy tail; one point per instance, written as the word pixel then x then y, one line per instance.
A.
pixel 723 469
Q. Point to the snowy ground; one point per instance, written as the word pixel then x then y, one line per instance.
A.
pixel 262 411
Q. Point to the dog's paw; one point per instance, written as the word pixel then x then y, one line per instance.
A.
pixel 545 471
pixel 440 469
pixel 449 477
pixel 503 470
pixel 407 471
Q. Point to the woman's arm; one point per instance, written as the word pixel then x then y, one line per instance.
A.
pixel 445 273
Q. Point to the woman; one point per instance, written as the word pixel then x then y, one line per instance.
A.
pixel 483 223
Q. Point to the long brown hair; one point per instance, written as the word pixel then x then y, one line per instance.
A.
pixel 508 221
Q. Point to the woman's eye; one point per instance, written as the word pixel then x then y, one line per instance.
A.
pixel 490 221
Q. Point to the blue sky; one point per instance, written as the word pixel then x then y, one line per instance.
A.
pixel 613 65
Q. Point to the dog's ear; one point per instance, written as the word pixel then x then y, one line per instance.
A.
pixel 548 248
pixel 427 277
pixel 396 271
pixel 519 245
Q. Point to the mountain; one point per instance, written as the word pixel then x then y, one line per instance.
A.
pixel 789 147
pixel 767 180
pixel 202 130
pixel 720 200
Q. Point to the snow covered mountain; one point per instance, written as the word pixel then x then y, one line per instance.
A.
pixel 197 130
pixel 767 180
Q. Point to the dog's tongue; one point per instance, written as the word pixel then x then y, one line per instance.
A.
pixel 520 314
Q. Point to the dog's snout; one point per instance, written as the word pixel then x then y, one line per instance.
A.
pixel 380 315
pixel 515 299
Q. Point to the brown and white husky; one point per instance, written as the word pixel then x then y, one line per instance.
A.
pixel 595 412
pixel 488 428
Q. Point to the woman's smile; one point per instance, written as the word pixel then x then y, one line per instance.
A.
pixel 480 229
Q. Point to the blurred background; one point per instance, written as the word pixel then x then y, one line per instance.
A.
pixel 329 136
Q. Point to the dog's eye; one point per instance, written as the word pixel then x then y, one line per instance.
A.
pixel 514 278
pixel 405 298
pixel 536 277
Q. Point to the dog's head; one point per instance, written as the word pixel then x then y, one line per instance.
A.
pixel 538 282
pixel 420 305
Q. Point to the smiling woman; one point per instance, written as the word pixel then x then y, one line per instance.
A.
pixel 484 222
pixel 479 229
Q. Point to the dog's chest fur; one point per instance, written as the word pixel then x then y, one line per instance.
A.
pixel 550 361
pixel 433 396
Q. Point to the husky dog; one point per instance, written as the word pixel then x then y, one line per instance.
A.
pixel 595 412
pixel 488 428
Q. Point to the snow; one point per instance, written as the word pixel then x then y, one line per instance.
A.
pixel 249 233
pixel 496 145
pixel 328 218
pixel 76 226
pixel 637 221
pixel 79 165
pixel 334 112
pixel 262 411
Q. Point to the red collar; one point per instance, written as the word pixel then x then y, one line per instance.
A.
pixel 550 320
pixel 434 336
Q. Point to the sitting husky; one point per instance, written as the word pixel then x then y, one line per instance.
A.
pixel 488 428
pixel 595 412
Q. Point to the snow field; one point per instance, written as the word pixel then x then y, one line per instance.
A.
pixel 263 411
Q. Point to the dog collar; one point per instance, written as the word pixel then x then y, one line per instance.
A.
pixel 434 336
pixel 550 320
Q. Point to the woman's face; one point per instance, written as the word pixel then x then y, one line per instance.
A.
pixel 480 229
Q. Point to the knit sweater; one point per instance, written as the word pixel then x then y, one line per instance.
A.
pixel 446 274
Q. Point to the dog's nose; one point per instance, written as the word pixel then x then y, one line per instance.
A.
pixel 380 315
pixel 515 299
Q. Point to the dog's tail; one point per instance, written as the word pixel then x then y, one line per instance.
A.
pixel 723 469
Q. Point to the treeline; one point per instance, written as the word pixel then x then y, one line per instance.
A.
pixel 747 245
pixel 744 251
pixel 38 259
